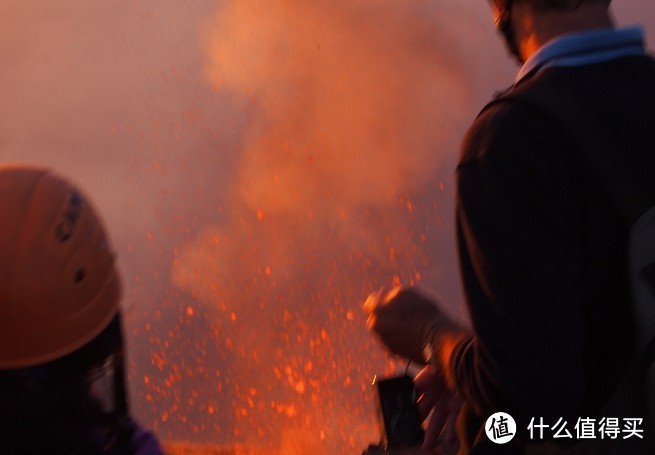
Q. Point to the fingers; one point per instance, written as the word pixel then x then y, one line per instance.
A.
pixel 434 429
pixel 390 325
pixel 430 387
pixel 372 301
pixel 442 404
pixel 371 322
pixel 381 297
pixel 401 317
pixel 425 404
pixel 426 387
pixel 390 293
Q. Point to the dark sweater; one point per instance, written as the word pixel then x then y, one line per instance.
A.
pixel 543 252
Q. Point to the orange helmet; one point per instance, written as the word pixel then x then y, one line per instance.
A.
pixel 59 287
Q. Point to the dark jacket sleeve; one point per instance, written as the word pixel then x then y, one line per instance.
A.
pixel 518 226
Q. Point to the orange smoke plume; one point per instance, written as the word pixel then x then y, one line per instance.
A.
pixel 350 108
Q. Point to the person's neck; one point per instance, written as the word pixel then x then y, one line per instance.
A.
pixel 536 29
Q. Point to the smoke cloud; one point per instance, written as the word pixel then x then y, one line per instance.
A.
pixel 351 113
pixel 351 110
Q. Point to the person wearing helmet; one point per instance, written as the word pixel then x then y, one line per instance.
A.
pixel 62 385
pixel 543 246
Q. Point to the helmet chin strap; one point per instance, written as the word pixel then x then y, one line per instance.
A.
pixel 504 25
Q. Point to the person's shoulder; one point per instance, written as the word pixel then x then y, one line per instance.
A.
pixel 502 129
pixel 643 64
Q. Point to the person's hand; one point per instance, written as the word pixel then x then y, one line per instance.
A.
pixel 404 320
pixel 442 407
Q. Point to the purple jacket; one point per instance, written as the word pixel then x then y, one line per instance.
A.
pixel 145 442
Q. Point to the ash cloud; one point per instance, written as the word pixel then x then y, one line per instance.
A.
pixel 353 106
pixel 354 109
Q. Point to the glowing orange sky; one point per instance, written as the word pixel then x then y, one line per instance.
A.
pixel 261 169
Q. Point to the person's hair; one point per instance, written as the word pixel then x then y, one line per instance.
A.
pixel 561 5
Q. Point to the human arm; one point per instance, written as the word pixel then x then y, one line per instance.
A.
pixel 519 226
pixel 407 321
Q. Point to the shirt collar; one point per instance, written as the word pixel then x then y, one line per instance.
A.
pixel 584 48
